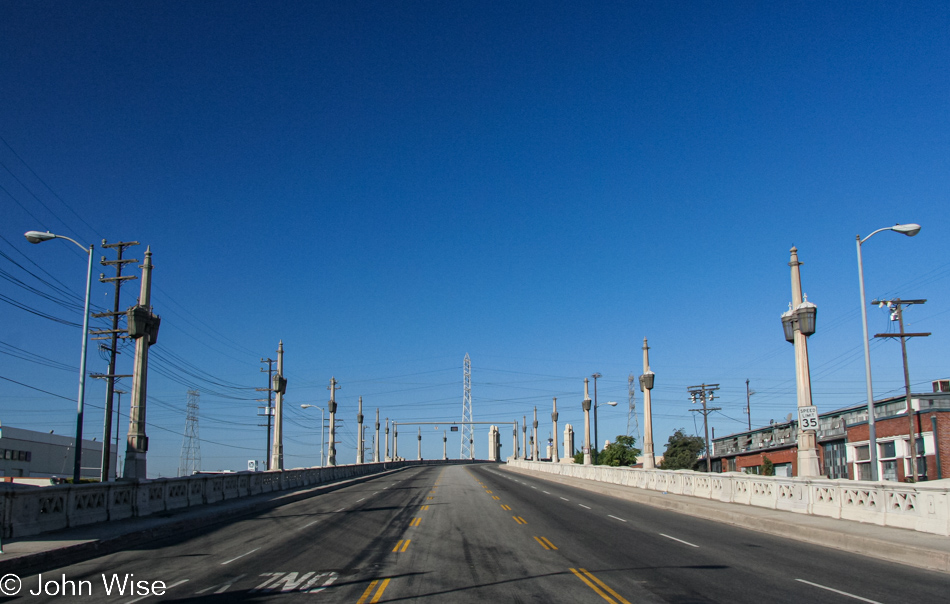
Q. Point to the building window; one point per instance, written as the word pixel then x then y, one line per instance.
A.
pixel 862 453
pixel 863 470
pixel 888 449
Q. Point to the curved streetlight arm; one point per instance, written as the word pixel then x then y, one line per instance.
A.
pixel 40 237
pixel 904 229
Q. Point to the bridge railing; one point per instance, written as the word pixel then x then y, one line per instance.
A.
pixel 923 507
pixel 28 511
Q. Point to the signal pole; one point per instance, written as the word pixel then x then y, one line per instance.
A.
pixel 704 393
pixel 897 314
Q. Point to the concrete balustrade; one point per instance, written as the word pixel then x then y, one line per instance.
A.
pixel 923 507
pixel 35 510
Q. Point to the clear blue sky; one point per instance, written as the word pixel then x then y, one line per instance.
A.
pixel 387 186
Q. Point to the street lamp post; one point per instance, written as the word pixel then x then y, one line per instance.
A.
pixel 585 405
pixel 596 442
pixel 905 229
pixel 322 420
pixel 39 237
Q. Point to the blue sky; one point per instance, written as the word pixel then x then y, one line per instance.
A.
pixel 387 186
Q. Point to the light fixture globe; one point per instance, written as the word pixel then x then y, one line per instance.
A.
pixel 646 381
pixel 907 229
pixel 806 313
pixel 788 325
pixel 38 236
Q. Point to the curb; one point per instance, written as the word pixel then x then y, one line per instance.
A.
pixel 93 548
pixel 889 551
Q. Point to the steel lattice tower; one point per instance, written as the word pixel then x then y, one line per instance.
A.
pixel 632 409
pixel 191 446
pixel 468 432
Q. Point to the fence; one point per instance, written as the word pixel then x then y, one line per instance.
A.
pixel 31 511
pixel 923 507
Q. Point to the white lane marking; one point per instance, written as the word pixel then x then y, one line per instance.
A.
pixel 680 540
pixel 838 591
pixel 339 510
pixel 534 487
pixel 223 587
pixel 241 556
pixel 167 587
pixel 583 506
pixel 359 500
pixel 615 518
pixel 545 492
pixel 311 524
pixel 565 498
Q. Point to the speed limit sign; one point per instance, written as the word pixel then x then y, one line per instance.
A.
pixel 808 418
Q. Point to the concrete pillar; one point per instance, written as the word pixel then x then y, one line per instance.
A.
pixel 514 441
pixel 387 458
pixel 807 439
pixel 419 456
pixel 376 439
pixel 331 407
pixel 395 441
pixel 569 441
pixel 524 436
pixel 555 458
pixel 649 456
pixel 136 466
pixel 359 433
pixel 277 446
pixel 445 452
pixel 585 404
pixel 534 438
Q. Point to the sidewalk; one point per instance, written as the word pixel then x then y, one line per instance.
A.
pixel 903 546
pixel 61 548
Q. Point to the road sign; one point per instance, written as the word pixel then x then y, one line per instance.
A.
pixel 808 418
pixel 454 429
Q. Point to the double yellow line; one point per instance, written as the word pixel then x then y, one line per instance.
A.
pixel 545 542
pixel 379 593
pixel 599 587
pixel 402 545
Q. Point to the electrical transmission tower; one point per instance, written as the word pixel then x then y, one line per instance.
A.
pixel 191 446
pixel 632 408
pixel 468 431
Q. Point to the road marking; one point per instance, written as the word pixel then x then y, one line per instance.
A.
pixel 430 498
pixel 583 506
pixel 359 500
pixel 520 520
pixel 415 521
pixel 496 497
pixel 401 546
pixel 487 491
pixel 588 578
pixel 424 508
pixel 369 590
pixel 222 587
pixel 167 587
pixel 545 492
pixel 241 556
pixel 615 518
pixel 838 591
pixel 506 507
pixel 311 524
pixel 545 542
pixel 680 540
pixel 339 510
pixel 565 498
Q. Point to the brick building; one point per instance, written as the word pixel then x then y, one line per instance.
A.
pixel 843 444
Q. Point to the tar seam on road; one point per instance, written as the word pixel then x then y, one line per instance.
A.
pixel 245 554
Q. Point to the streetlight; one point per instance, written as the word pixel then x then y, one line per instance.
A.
pixel 905 229
pixel 595 375
pixel 322 412
pixel 39 237
pixel 609 404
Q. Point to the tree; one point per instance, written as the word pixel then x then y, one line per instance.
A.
pixel 682 452
pixel 579 456
pixel 621 452
pixel 768 468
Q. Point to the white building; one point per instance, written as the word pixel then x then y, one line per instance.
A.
pixel 45 455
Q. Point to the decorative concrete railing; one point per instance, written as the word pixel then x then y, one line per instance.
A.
pixel 923 507
pixel 31 511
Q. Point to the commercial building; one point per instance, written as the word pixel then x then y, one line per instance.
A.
pixel 843 444
pixel 25 453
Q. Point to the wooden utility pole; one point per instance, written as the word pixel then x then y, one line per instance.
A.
pixel 705 393
pixel 269 409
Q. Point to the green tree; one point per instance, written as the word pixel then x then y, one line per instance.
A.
pixel 621 452
pixel 579 456
pixel 682 452
pixel 768 468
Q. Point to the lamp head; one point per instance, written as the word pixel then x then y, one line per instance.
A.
pixel 38 236
pixel 612 403
pixel 907 229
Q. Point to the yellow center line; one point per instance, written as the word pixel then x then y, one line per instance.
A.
pixel 406 546
pixel 379 592
pixel 424 508
pixel 543 544
pixel 506 507
pixel 604 585
pixel 366 593
pixel 594 587
pixel 548 541
pixel 496 497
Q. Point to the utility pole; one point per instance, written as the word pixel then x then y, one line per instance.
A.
pixel 331 406
pixel 632 408
pixel 748 403
pixel 705 393
pixel 113 335
pixel 118 417
pixel 190 462
pixel 269 409
pixel 387 441
pixel 359 433
pixel 585 405
pixel 279 385
pixel 395 441
pixel 143 326
pixel 534 451
pixel 897 314
pixel 467 428
pixel 376 439
pixel 555 458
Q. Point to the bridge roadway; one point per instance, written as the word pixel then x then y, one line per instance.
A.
pixel 482 534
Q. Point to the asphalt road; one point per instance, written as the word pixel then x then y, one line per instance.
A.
pixel 479 534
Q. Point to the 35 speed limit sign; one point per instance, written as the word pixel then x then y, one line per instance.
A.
pixel 808 418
